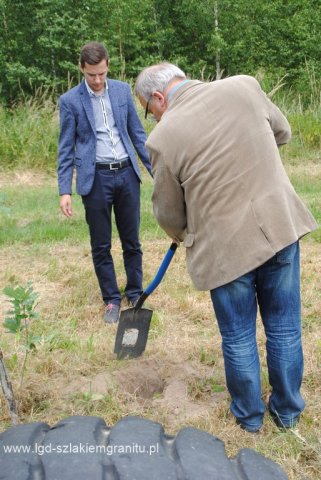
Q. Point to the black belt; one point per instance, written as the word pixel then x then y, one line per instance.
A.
pixel 113 166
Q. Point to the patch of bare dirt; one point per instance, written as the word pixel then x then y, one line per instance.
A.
pixel 99 384
pixel 167 385
pixel 26 177
pixel 143 378
pixel 311 170
pixel 170 387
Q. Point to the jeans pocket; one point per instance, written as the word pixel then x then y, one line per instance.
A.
pixel 287 254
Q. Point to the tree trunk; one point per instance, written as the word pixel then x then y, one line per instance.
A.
pixel 217 60
pixel 8 392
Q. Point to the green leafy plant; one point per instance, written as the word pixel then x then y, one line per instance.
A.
pixel 23 300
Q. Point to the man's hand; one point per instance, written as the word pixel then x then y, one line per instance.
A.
pixel 65 205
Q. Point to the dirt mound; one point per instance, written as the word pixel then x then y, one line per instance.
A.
pixel 179 388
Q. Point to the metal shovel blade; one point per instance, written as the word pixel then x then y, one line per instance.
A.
pixel 132 332
pixel 133 327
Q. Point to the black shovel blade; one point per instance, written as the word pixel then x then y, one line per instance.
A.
pixel 132 332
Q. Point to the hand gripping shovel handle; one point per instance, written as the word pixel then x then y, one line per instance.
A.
pixel 159 276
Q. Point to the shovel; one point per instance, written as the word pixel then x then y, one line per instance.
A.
pixel 134 323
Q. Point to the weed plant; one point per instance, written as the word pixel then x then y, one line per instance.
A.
pixel 304 114
pixel 22 299
pixel 29 134
pixel 29 130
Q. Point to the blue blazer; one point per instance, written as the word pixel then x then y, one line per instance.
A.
pixel 77 139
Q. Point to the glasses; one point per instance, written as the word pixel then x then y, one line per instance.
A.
pixel 146 109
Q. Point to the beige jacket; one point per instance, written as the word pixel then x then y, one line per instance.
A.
pixel 220 186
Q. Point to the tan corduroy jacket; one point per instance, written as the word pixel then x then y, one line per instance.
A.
pixel 220 186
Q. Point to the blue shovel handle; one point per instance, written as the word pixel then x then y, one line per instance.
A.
pixel 159 275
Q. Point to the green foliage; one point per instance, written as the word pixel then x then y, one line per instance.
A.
pixel 23 300
pixel 307 128
pixel 277 37
pixel 29 133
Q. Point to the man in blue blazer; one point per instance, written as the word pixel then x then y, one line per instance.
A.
pixel 99 130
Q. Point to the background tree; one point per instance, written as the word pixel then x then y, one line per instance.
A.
pixel 40 39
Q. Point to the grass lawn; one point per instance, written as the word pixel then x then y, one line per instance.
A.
pixel 179 380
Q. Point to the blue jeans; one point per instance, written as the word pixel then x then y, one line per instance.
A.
pixel 275 288
pixel 120 190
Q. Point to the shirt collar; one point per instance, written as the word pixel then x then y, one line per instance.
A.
pixel 92 93
pixel 177 86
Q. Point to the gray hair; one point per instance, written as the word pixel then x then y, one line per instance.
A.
pixel 157 77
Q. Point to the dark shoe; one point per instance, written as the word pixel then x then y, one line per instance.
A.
pixel 248 428
pixel 112 313
pixel 132 302
pixel 282 424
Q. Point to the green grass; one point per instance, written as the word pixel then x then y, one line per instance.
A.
pixel 29 134
pixel 73 370
pixel 31 215
pixel 309 189
pixel 39 244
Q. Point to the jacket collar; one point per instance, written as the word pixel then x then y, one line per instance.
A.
pixel 86 101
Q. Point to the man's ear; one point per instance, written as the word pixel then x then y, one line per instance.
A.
pixel 160 97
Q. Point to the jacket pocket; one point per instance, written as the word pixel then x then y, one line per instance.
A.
pixel 78 162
